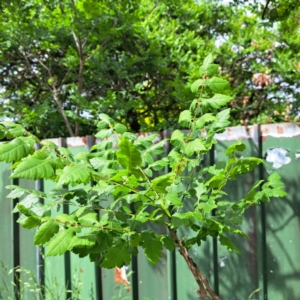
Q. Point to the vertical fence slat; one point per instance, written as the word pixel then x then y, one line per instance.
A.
pixel 16 246
pixel 40 264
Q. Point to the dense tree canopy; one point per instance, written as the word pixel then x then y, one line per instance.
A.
pixel 64 62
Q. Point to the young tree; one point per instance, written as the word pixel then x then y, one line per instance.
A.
pixel 123 169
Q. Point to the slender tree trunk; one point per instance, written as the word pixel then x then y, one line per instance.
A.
pixel 61 110
pixel 204 292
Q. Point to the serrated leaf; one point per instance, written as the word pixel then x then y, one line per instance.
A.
pixel 159 164
pixel 46 232
pixel 238 146
pixel 194 146
pixel 211 70
pixel 155 149
pixel 207 61
pixel 196 84
pixel 74 174
pixel 25 211
pixel 168 242
pixel 88 240
pixel 152 246
pixel 105 118
pixel 65 153
pixel 229 244
pixel 16 149
pixel 217 84
pixel 245 165
pixel 177 138
pixel 128 155
pixel 135 239
pixel 181 219
pixel 117 256
pixel 49 144
pixel 29 201
pixel 34 167
pixel 185 118
pixel 89 219
pixel 222 119
pixel 16 193
pixel 173 199
pixel 31 222
pixel 217 101
pixel 65 218
pixel 60 243
pixel 104 133
pixel 160 183
pixel 120 128
pixel 208 206
pixel 194 105
pixel 202 121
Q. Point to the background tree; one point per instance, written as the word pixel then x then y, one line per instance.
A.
pixel 64 62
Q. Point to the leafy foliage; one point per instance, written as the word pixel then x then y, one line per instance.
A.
pixel 127 191
pixel 65 62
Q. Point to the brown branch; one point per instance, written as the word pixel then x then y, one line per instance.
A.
pixel 52 88
pixel 265 9
pixel 79 46
pixel 204 292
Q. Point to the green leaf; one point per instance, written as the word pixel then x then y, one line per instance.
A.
pixel 168 242
pixel 210 70
pixel 34 167
pixel 208 206
pixel 60 243
pixel 196 84
pixel 15 130
pixel 229 244
pixel 135 239
pixel 88 219
pixel 16 193
pixel 185 118
pixel 25 211
pixel 181 219
pixel 159 184
pixel 46 232
pixel 202 121
pixel 217 85
pixel 194 146
pixel 74 174
pixel 105 118
pixel 66 219
pixel 88 240
pixel 238 146
pixel 117 256
pixel 207 61
pixel 16 149
pixel 31 222
pixel 245 165
pixel 173 199
pixel 217 101
pixel 104 133
pixel 177 138
pixel 128 155
pixel 120 128
pixel 152 246
pixel 222 119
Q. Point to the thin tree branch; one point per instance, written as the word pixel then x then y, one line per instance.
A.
pixel 52 88
pixel 265 9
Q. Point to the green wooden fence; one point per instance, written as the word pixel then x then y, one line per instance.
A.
pixel 269 264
